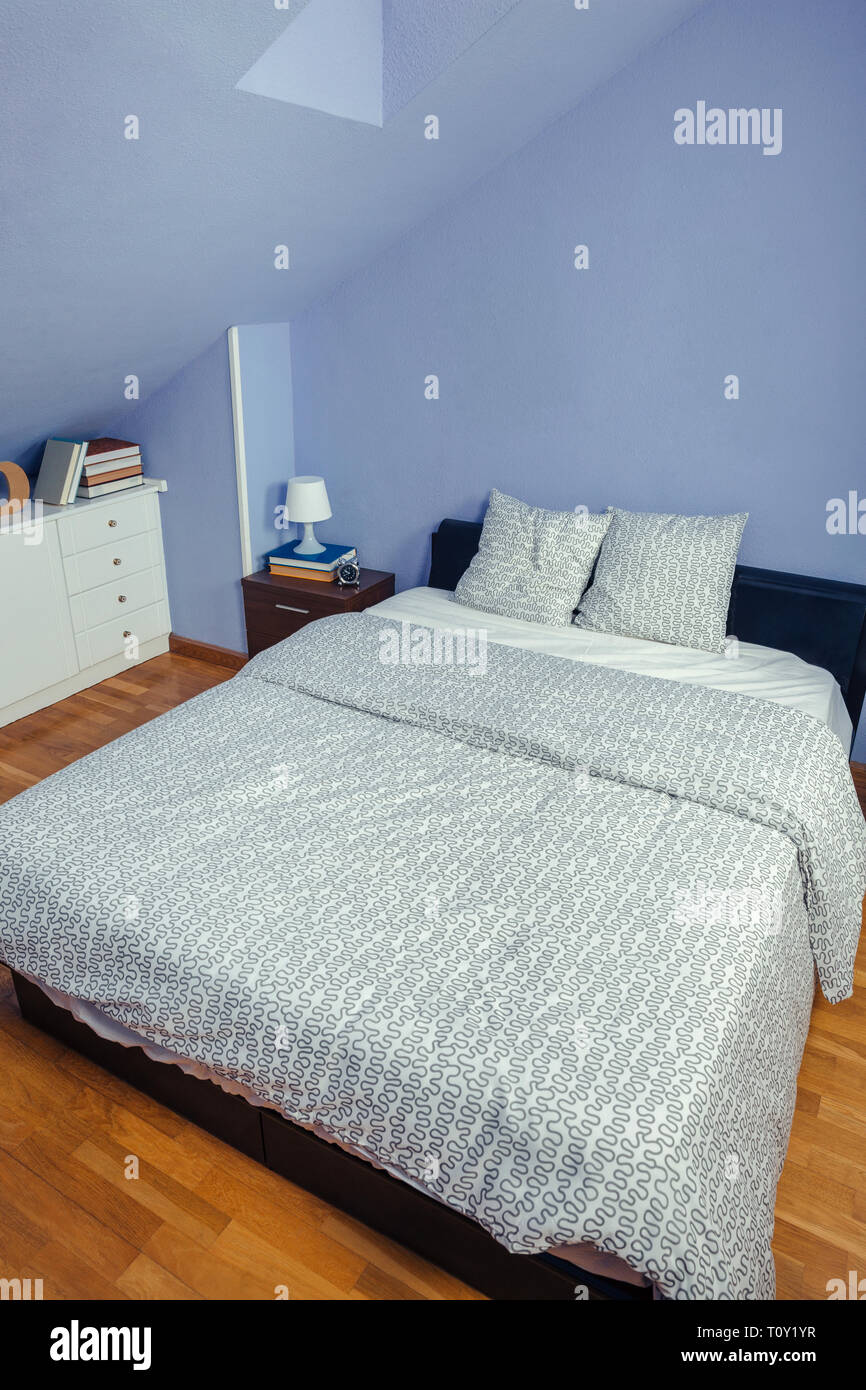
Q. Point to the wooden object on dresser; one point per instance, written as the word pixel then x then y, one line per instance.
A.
pixel 17 486
pixel 84 600
pixel 275 607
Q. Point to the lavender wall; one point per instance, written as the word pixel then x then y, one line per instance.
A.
pixel 185 431
pixel 606 385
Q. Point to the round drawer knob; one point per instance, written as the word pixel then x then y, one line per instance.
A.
pixel 121 598
pixel 127 633
pixel 112 523
pixel 117 562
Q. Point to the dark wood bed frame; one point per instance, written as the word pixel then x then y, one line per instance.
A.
pixel 822 621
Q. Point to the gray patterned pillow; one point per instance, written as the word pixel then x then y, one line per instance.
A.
pixel 532 563
pixel 665 578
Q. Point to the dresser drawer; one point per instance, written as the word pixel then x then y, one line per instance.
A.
pixel 127 595
pixel 114 561
pixel 111 521
pixel 115 637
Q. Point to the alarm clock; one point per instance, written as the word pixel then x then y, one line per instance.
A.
pixel 348 573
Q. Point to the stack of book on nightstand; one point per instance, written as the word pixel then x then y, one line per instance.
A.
pixel 110 465
pixel 323 565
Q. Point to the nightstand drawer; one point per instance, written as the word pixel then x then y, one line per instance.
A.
pixel 285 608
pixel 268 623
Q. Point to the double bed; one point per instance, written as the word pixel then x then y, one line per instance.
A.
pixel 511 956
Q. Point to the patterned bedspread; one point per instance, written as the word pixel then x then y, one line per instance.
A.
pixel 541 940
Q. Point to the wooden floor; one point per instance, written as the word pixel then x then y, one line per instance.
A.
pixel 203 1221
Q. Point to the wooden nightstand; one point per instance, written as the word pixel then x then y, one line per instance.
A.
pixel 275 607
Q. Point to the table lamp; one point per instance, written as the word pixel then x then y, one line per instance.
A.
pixel 307 502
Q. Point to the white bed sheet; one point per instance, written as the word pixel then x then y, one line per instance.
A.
pixel 762 672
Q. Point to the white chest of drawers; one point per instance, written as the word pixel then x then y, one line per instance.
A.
pixel 86 602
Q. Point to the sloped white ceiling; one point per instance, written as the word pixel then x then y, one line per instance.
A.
pixel 122 256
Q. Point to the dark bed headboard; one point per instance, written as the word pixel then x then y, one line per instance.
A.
pixel 821 620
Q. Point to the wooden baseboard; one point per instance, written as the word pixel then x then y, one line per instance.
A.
pixel 206 651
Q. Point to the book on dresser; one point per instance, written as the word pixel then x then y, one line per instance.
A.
pixel 101 452
pixel 102 486
pixel 59 473
pixel 111 465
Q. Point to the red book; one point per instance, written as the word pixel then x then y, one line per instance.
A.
pixel 104 450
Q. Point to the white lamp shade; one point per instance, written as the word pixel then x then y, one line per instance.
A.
pixel 307 500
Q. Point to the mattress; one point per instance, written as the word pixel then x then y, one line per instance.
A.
pixel 746 669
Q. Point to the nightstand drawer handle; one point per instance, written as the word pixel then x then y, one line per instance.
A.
pixel 287 608
pixel 121 598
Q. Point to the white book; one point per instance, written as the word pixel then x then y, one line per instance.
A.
pixel 60 471
pixel 102 489
pixel 93 470
pixel 75 472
